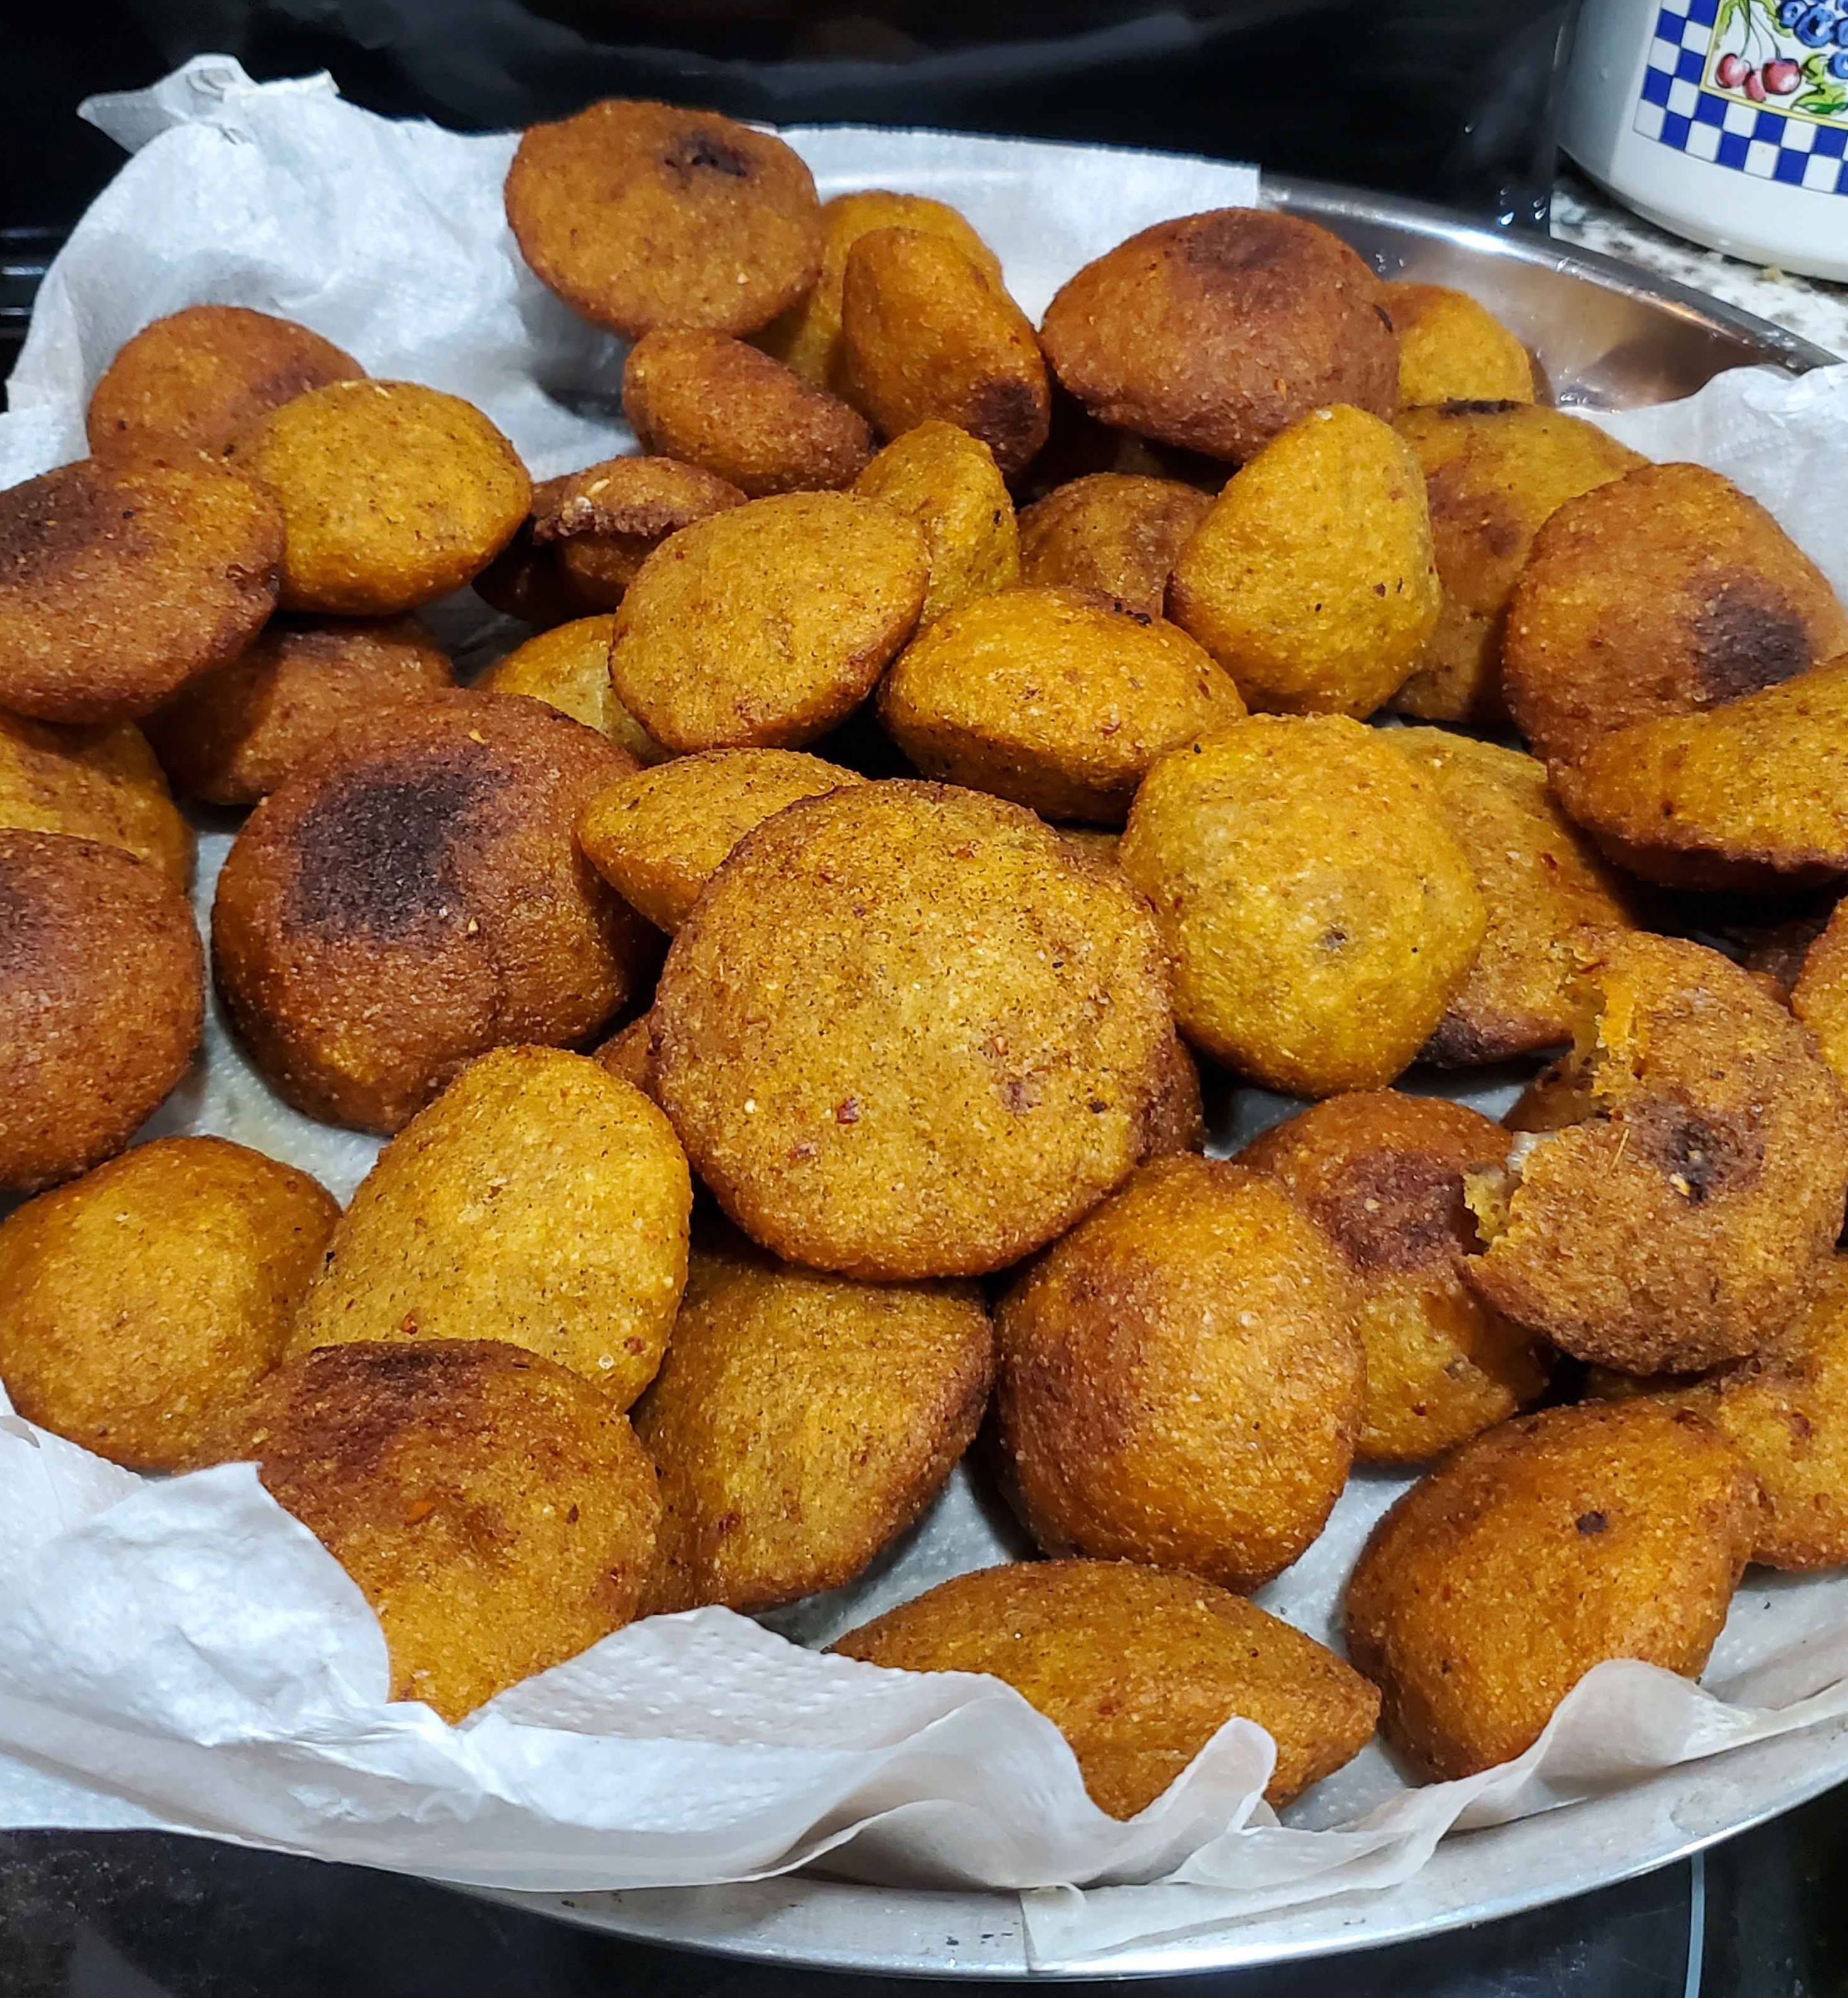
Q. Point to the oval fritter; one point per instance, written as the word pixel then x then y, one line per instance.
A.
pixel 93 783
pixel 947 482
pixel 567 667
pixel 1453 350
pixel 1116 533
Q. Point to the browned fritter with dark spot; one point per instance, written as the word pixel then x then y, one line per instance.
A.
pixel 1114 533
pixel 94 783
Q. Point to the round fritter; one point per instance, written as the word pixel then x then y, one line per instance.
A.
pixel 1663 592
pixel 1494 473
pixel 198 377
pixel 528 581
pixel 94 783
pixel 102 997
pixel 1176 1118
pixel 1320 913
pixel 1383 1175
pixel 1052 698
pixel 602 523
pixel 1114 533
pixel 800 1421
pixel 659 836
pixel 629 1053
pixel 1617 1530
pixel 1541 883
pixel 1182 1378
pixel 1747 795
pixel 715 403
pixel 808 337
pixel 764 626
pixel 1217 331
pixel 926 333
pixel 231 736
pixel 1452 350
pixel 392 494
pixel 641 215
pixel 947 482
pixel 906 1032
pixel 1686 1214
pixel 412 896
pixel 140 1303
pixel 567 667
pixel 121 581
pixel 496 1512
pixel 1818 996
pixel 1137 1669
pixel 540 1200
pixel 1311 579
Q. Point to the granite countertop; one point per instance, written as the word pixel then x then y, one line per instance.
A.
pixel 1811 306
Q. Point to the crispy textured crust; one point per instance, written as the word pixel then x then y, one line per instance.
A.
pixel 1493 473
pixel 1686 1214
pixel 907 1032
pixel 1452 350
pixel 1541 883
pixel 233 735
pixel 640 216
pixel 1114 533
pixel 925 333
pixel 121 581
pixel 763 627
pixel 1320 913
pixel 1181 1378
pixel 140 1303
pixel 1051 698
pixel 1617 1530
pixel 1137 1669
pixel 1818 996
pixel 1383 1175
pixel 1311 579
pixel 496 1512
pixel 413 896
pixel 93 783
pixel 1217 331
pixel 602 523
pixel 567 667
pixel 800 1421
pixel 947 482
pixel 1661 594
pixel 102 998
pixel 659 836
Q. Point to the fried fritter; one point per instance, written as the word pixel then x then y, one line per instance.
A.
pixel 101 999
pixel 1320 913
pixel 528 581
pixel 1311 579
pixel 1452 350
pixel 602 523
pixel 1051 698
pixel 567 667
pixel 1217 331
pixel 143 1300
pixel 93 783
pixel 1137 1669
pixel 1182 1378
pixel 629 1053
pixel 1114 533
pixel 1553 1543
pixel 1177 1121
pixel 948 482
pixel 906 1032
pixel 1820 995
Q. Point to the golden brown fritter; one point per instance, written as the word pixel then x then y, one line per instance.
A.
pixel 713 402
pixel 93 783
pixel 763 627
pixel 1182 1378
pixel 102 997
pixel 1051 698
pixel 1661 594
pixel 1217 331
pixel 1137 1669
pixel 1494 473
pixel 1820 995
pixel 1452 350
pixel 496 1512
pixel 1686 1214
pixel 925 333
pixel 121 581
pixel 1541 883
pixel 947 482
pixel 412 896
pixel 659 836
pixel 567 667
pixel 231 736
pixel 641 215
pixel 906 1032
pixel 1554 1542
pixel 1176 1120
pixel 1320 913
pixel 799 1423
pixel 142 1301
pixel 392 495
pixel 1383 1175
pixel 602 523
pixel 1311 579
pixel 1114 533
